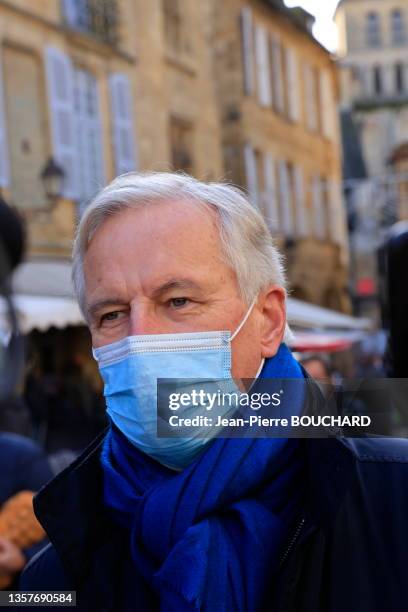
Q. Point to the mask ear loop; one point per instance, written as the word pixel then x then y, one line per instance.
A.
pixel 244 320
pixel 260 368
pixel 240 326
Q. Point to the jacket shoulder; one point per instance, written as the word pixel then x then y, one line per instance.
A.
pixel 378 450
pixel 45 572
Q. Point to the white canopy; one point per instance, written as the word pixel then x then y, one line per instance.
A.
pixel 43 277
pixel 43 312
pixel 43 296
pixel 308 316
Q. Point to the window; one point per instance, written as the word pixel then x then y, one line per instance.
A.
pixel 397 27
pixel 251 160
pixel 76 13
pixel 181 142
pixel 286 198
pixel 263 67
pixel 97 17
pixel 292 84
pixel 75 123
pixel 88 135
pixel 270 206
pixel 300 202
pixel 61 106
pixel 277 74
pixel 378 81
pixel 336 212
pixel 172 24
pixel 373 32
pixel 399 78
pixel 122 122
pixel 247 50
pixel 319 201
pixel 328 108
pixel 310 79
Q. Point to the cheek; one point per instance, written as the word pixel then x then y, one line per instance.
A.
pixel 97 340
pixel 246 353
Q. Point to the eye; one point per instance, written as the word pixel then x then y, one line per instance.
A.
pixel 179 302
pixel 110 316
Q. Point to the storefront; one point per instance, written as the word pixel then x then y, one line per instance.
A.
pixel 62 386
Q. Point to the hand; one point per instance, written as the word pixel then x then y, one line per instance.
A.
pixel 12 559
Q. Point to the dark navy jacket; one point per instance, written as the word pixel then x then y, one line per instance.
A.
pixel 349 552
pixel 24 466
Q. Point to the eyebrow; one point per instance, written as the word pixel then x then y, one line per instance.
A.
pixel 172 284
pixel 175 283
pixel 92 309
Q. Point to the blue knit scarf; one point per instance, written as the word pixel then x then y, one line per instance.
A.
pixel 209 537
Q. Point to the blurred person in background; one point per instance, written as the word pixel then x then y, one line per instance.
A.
pixel 319 368
pixel 24 468
pixel 181 279
pixel 14 414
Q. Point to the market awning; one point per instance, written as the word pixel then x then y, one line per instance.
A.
pixel 43 312
pixel 309 316
pixel 43 296
pixel 316 329
pixel 314 342
pixel 44 277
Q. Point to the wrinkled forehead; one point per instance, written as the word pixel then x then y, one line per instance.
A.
pixel 160 216
pixel 168 238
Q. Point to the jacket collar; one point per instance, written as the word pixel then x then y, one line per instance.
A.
pixel 71 509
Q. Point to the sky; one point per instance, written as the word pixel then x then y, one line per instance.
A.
pixel 323 10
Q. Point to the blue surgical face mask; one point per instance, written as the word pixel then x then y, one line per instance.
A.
pixel 130 369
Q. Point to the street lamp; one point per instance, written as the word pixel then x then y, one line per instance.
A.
pixel 52 177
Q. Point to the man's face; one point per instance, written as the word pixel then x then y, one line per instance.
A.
pixel 159 270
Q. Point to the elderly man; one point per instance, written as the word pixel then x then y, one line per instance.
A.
pixel 180 279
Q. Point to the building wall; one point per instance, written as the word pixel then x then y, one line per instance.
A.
pixel 27 32
pixel 143 93
pixel 24 106
pixel 175 88
pixel 372 53
pixel 351 20
pixel 374 80
pixel 277 90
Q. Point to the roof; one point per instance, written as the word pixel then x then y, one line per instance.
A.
pixel 299 17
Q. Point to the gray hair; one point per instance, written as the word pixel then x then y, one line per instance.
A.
pixel 246 241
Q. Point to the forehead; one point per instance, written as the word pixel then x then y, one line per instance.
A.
pixel 171 237
pixel 163 223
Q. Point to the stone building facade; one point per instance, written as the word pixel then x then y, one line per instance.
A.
pixel 373 61
pixel 277 93
pixel 237 89
pixel 67 83
pixel 101 91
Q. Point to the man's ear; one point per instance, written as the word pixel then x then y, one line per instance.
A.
pixel 273 308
